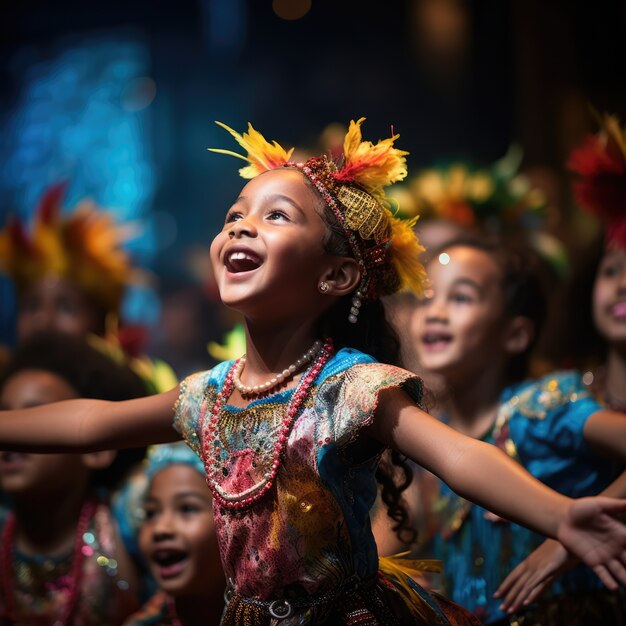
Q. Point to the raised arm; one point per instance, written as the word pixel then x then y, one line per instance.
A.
pixel 90 425
pixel 484 474
pixel 605 432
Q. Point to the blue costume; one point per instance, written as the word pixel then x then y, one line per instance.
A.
pixel 540 424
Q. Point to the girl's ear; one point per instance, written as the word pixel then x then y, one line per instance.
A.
pixel 98 460
pixel 342 277
pixel 519 335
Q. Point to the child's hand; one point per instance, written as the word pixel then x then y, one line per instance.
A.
pixel 533 575
pixel 592 531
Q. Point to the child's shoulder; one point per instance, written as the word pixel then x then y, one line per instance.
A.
pixel 537 398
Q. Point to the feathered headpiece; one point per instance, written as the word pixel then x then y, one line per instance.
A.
pixel 84 247
pixel 494 197
pixel 600 162
pixel 353 187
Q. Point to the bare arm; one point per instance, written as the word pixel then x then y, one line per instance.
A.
pixel 90 425
pixel 588 527
pixel 536 572
pixel 467 465
pixel 605 432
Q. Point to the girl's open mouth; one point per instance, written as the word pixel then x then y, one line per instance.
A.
pixel 239 261
pixel 170 563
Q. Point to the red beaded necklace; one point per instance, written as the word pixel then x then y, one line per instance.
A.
pixel 211 447
pixel 173 613
pixel 76 571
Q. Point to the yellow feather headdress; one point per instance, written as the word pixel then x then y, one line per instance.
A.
pixel 386 247
pixel 84 247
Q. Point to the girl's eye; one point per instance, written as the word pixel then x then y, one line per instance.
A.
pixel 149 514
pixel 277 215
pixel 232 216
pixel 188 508
pixel 609 271
pixel 460 298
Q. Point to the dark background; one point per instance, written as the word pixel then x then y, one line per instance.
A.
pixel 455 78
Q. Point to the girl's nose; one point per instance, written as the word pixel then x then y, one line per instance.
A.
pixel 435 310
pixel 163 527
pixel 242 228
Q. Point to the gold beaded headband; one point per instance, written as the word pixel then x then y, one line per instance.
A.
pixel 385 247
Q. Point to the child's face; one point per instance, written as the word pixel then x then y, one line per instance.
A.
pixel 55 303
pixel 458 327
pixel 177 537
pixel 609 297
pixel 269 256
pixel 29 475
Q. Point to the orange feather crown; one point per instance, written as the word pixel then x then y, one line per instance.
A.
pixel 84 247
pixel 600 162
pixel 385 247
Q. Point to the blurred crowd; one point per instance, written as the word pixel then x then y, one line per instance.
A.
pixel 520 339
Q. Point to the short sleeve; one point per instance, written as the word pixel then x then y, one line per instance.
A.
pixel 351 397
pixel 188 407
pixel 555 409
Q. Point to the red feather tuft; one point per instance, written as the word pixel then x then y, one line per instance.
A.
pixel 50 204
pixel 602 186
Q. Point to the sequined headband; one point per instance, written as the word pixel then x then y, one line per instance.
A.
pixel 385 247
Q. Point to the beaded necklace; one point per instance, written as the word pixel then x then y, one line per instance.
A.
pixel 173 613
pixel 212 446
pixel 76 571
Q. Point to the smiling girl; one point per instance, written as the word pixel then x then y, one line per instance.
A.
pixel 476 329
pixel 291 434
pixel 178 541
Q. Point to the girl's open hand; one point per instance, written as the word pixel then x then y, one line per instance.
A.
pixel 593 531
pixel 533 575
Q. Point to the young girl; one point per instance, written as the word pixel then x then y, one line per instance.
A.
pixel 61 557
pixel 475 329
pixel 70 272
pixel 594 339
pixel 178 541
pixel 290 435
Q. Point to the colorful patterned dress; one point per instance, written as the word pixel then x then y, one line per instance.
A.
pixel 539 424
pixel 304 553
pixel 41 585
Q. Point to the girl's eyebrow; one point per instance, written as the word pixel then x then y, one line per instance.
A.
pixel 191 494
pixel 273 197
pixel 470 282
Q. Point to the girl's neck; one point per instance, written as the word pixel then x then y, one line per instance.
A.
pixel 615 382
pixel 473 401
pixel 270 350
pixel 200 610
pixel 46 525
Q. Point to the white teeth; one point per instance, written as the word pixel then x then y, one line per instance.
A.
pixel 240 256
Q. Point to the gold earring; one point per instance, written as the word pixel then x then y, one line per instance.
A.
pixel 324 286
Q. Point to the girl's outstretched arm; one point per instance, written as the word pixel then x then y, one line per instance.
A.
pixel 537 571
pixel 481 472
pixel 90 425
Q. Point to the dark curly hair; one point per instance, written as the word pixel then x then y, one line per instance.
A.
pixel 91 374
pixel 372 335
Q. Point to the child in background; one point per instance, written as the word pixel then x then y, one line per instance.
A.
pixel 61 558
pixel 595 338
pixel 179 543
pixel 70 272
pixel 290 434
pixel 476 328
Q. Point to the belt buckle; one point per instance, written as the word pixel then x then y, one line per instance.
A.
pixel 280 609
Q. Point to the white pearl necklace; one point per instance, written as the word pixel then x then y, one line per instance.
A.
pixel 286 374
